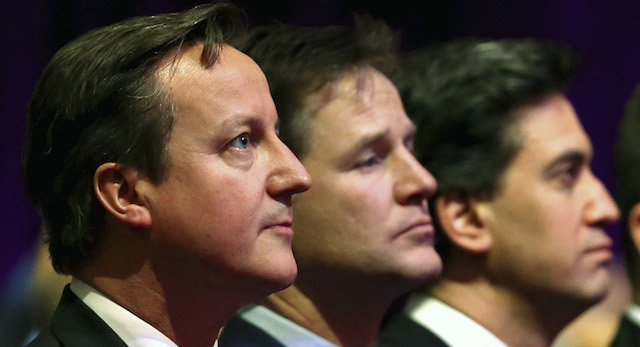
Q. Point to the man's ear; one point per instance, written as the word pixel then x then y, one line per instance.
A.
pixel 114 186
pixel 459 220
pixel 634 225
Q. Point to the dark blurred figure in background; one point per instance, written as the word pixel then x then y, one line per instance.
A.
pixel 363 233
pixel 627 164
pixel 153 157
pixel 27 305
pixel 519 213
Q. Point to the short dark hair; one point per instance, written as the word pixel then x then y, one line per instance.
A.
pixel 98 101
pixel 627 171
pixel 464 95
pixel 300 61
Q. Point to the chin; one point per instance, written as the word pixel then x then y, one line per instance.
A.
pixel 598 287
pixel 432 266
pixel 287 279
pixel 589 292
pixel 597 294
pixel 282 276
pixel 424 269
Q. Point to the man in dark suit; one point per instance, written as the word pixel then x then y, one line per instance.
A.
pixel 363 232
pixel 627 163
pixel 153 158
pixel 519 213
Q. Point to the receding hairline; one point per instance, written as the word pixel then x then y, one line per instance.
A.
pixel 360 77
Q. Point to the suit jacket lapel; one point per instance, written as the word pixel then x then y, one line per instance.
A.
pixel 403 331
pixel 628 334
pixel 75 324
pixel 240 333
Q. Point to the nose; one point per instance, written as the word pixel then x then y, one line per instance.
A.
pixel 601 209
pixel 414 184
pixel 287 175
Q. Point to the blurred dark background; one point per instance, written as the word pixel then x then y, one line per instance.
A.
pixel 607 32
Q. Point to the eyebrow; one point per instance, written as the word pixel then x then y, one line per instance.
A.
pixel 240 119
pixel 368 140
pixel 372 139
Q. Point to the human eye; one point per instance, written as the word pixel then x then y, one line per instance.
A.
pixel 369 163
pixel 566 171
pixel 240 142
pixel 569 173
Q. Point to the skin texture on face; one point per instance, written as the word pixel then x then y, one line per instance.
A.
pixel 222 214
pixel 366 215
pixel 546 221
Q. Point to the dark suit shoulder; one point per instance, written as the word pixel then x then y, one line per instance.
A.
pixel 402 331
pixel 74 324
pixel 628 334
pixel 45 339
pixel 240 333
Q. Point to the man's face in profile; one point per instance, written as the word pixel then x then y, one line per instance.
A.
pixel 366 214
pixel 223 210
pixel 546 221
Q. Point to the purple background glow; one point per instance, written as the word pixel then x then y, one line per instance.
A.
pixel 606 31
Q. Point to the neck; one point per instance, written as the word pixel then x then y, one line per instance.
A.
pixel 185 316
pixel 343 317
pixel 188 309
pixel 514 319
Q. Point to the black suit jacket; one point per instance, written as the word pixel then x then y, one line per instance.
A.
pixel 241 333
pixel 628 334
pixel 76 325
pixel 402 331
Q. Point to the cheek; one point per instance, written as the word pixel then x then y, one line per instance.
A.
pixel 543 242
pixel 319 214
pixel 536 233
pixel 200 207
pixel 335 218
pixel 235 202
pixel 518 232
pixel 559 219
pixel 365 205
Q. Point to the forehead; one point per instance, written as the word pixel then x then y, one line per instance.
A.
pixel 234 85
pixel 548 129
pixel 183 72
pixel 357 106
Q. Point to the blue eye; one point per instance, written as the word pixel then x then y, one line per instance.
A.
pixel 240 142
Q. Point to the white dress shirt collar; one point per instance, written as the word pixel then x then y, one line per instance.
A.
pixel 280 328
pixel 449 324
pixel 633 313
pixel 132 330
